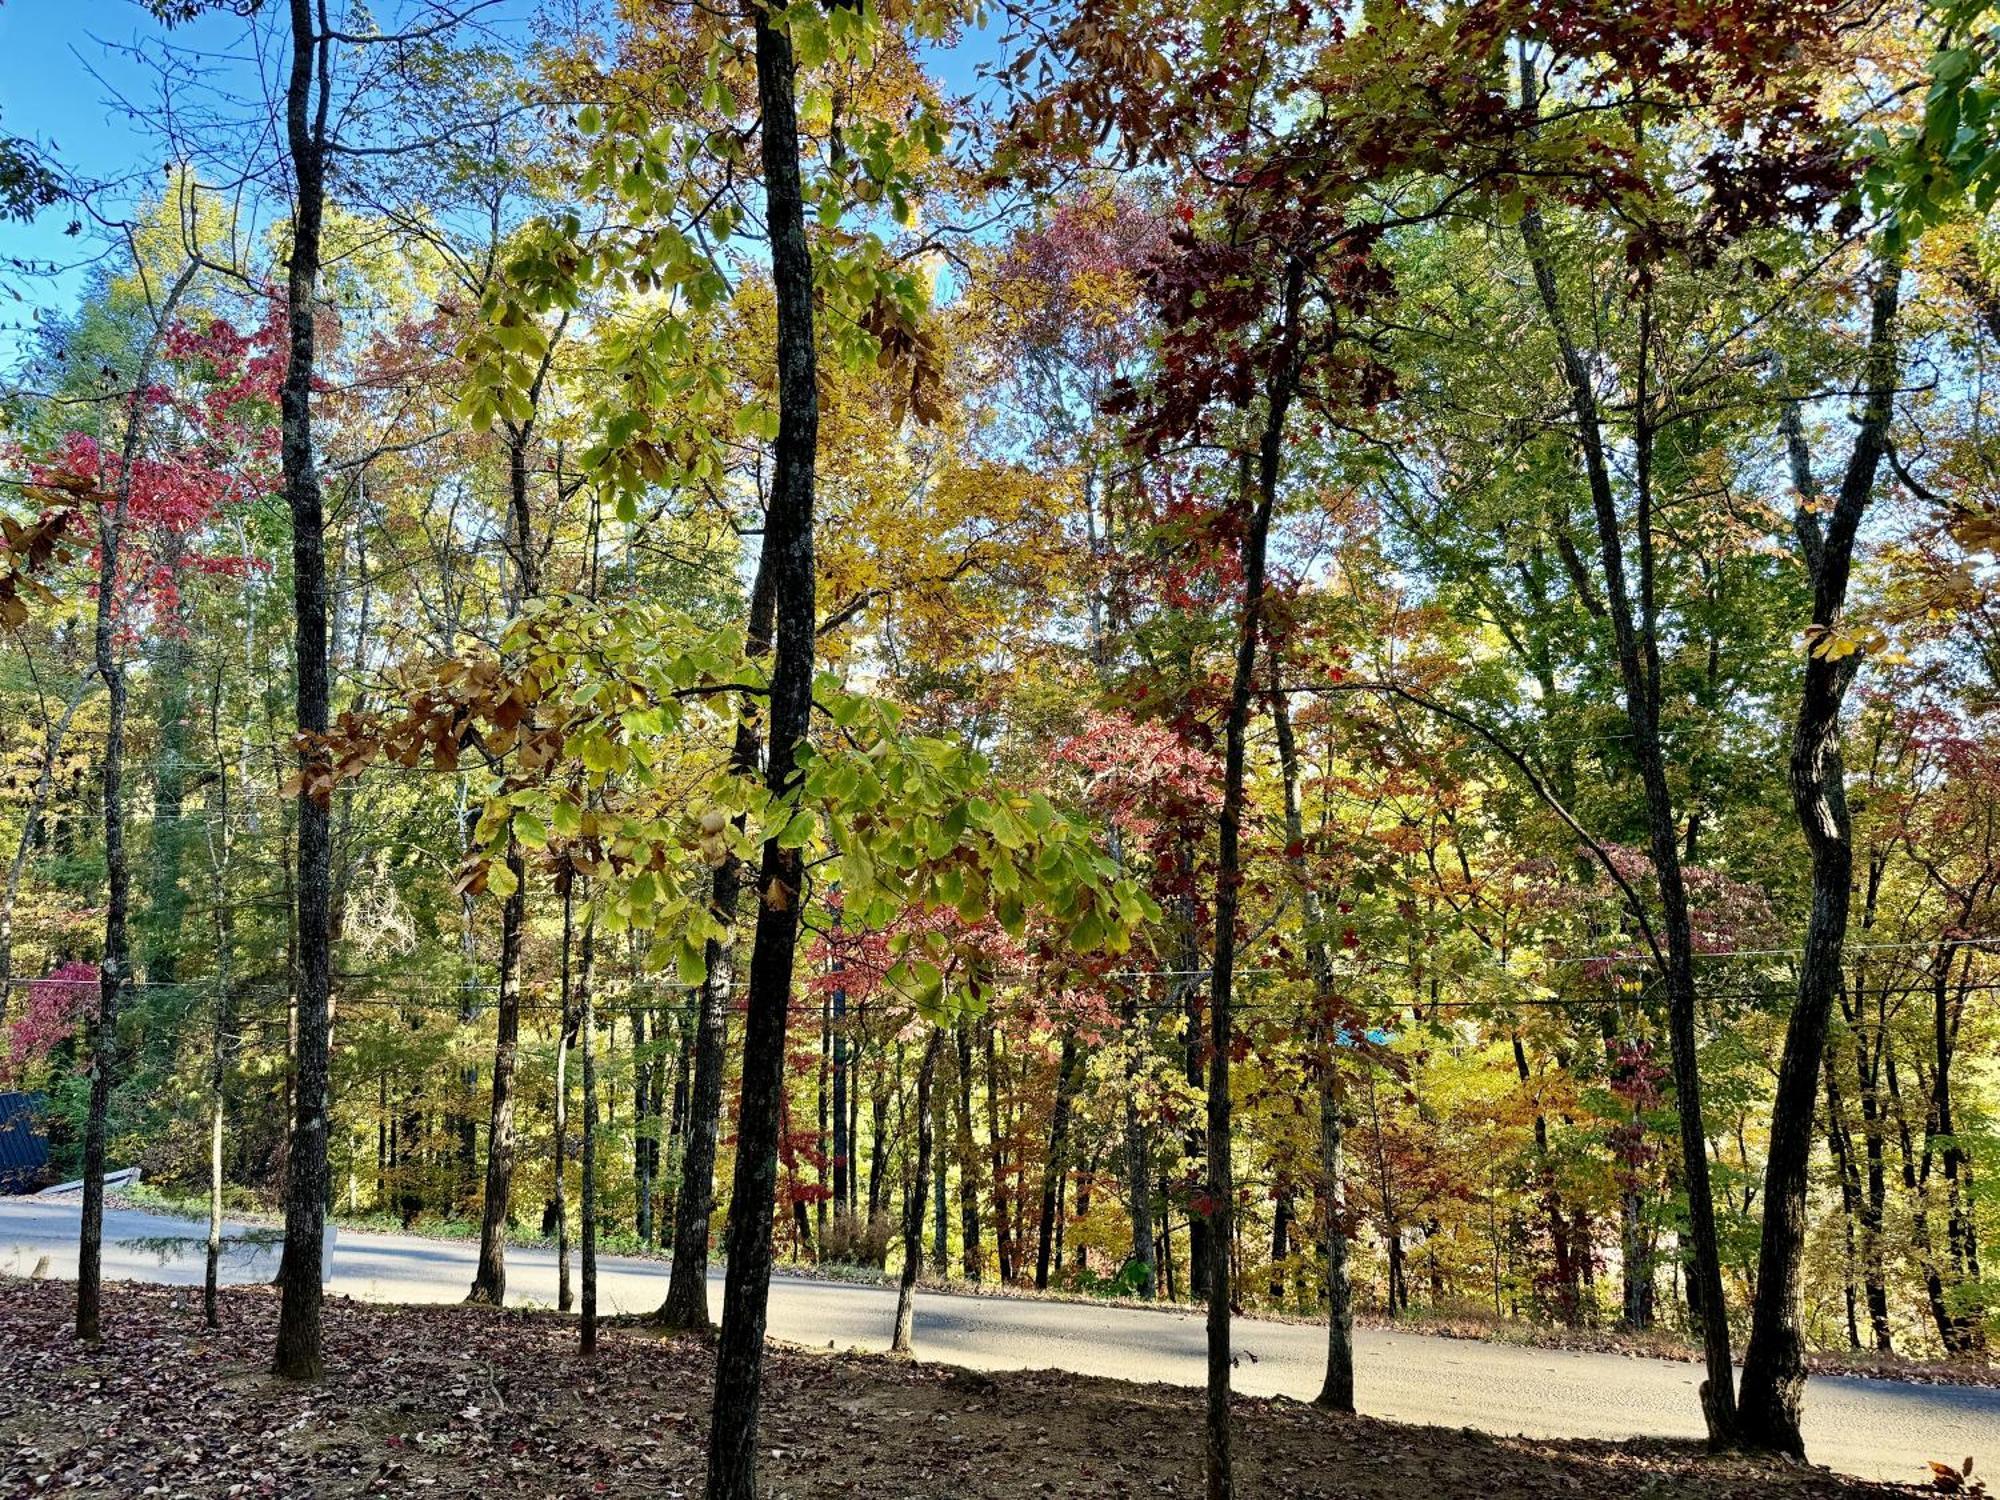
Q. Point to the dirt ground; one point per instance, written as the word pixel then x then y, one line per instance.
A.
pixel 452 1401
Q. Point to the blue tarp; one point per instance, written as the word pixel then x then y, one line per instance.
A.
pixel 24 1149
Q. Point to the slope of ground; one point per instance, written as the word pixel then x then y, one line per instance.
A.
pixel 452 1401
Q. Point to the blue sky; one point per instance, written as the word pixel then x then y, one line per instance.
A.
pixel 74 80
pixel 68 72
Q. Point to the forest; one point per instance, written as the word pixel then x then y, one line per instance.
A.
pixel 1320 660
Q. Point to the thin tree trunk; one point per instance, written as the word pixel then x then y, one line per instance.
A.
pixel 1841 1147
pixel 843 1136
pixel 1219 1469
pixel 114 972
pixel 788 540
pixel 1774 1374
pixel 489 1280
pixel 223 1042
pixel 972 1254
pixel 941 1188
pixel 686 1305
pixel 566 1027
pixel 1337 1390
pixel 1637 651
pixel 913 1216
pixel 586 1029
pixel 1138 1162
pixel 1057 1162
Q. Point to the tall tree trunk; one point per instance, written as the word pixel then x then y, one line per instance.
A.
pixel 1840 1146
pixel 114 973
pixel 1194 1142
pixel 1337 1390
pixel 1774 1374
pixel 941 1187
pixel 298 1355
pixel 167 902
pixel 1636 648
pixel 222 1045
pixel 489 1280
pixel 788 539
pixel 1057 1162
pixel 913 1214
pixel 686 1305
pixel 1875 1199
pixel 878 1146
pixel 1219 1469
pixel 565 1039
pixel 843 1139
pixel 996 1146
pixel 586 1031
pixel 1941 1142
pixel 1138 1161
pixel 971 1252
pixel 642 1113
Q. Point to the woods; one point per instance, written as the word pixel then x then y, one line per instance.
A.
pixel 1328 661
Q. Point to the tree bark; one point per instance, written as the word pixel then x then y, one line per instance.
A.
pixel 298 1354
pixel 788 542
pixel 913 1215
pixel 996 1147
pixel 222 1045
pixel 686 1305
pixel 489 1280
pixel 1336 1391
pixel 971 1252
pixel 1138 1163
pixel 1637 656
pixel 565 1039
pixel 1774 1363
pixel 1221 1188
pixel 114 972
pixel 586 1030
pixel 1057 1162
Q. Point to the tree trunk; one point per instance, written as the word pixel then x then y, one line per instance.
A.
pixel 489 1281
pixel 1841 1147
pixel 1337 1389
pixel 1774 1373
pixel 223 1042
pixel 114 972
pixel 1057 1163
pixel 913 1216
pixel 586 1032
pixel 941 1187
pixel 995 1140
pixel 298 1355
pixel 686 1306
pixel 1636 648
pixel 565 1039
pixel 1138 1162
pixel 843 1141
pixel 167 904
pixel 1218 1469
pixel 972 1252
pixel 788 541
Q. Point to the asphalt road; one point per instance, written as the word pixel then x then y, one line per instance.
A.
pixel 1875 1428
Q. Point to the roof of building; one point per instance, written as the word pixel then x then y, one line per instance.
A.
pixel 24 1149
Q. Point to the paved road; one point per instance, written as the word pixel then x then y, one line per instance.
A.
pixel 1879 1429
